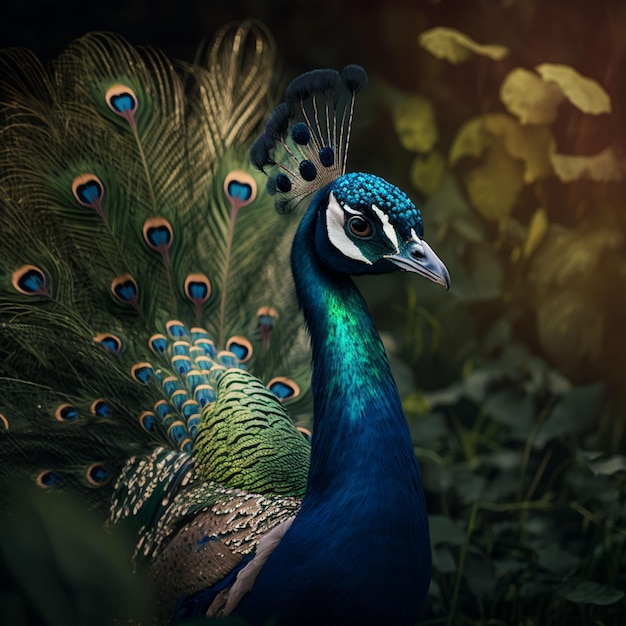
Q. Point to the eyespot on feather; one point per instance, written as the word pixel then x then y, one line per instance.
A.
pixel 97 474
pixel 88 190
pixel 109 342
pixel 101 408
pixel 161 408
pixel 47 479
pixel 66 413
pixel 175 328
pixel 204 395
pixel 182 364
pixel 142 372
pixel 30 280
pixel 197 289
pixel 148 421
pixel 125 289
pixel 123 101
pixel 240 347
pixel 240 189
pixel 189 408
pixel 284 388
pixel 207 346
pixel 178 398
pixel 158 344
pixel 170 384
pixel 158 235
pixel 177 432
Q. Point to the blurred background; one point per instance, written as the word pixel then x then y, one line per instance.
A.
pixel 504 120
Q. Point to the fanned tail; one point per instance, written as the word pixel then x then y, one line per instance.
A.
pixel 139 254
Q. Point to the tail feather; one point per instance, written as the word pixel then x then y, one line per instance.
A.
pixel 134 235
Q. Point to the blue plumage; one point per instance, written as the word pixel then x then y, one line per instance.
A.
pixel 146 245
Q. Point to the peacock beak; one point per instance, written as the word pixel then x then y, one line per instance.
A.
pixel 419 257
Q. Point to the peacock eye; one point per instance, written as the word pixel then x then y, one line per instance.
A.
pixel 360 227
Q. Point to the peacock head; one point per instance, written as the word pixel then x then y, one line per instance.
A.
pixel 368 226
pixel 364 224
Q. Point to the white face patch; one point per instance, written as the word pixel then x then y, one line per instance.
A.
pixel 335 220
pixel 388 229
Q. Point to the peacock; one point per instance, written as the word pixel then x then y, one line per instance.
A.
pixel 170 327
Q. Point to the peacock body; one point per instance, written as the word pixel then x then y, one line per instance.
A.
pixel 153 357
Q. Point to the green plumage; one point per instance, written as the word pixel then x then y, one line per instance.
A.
pixel 247 440
pixel 128 211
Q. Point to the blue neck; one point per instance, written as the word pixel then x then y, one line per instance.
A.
pixel 358 417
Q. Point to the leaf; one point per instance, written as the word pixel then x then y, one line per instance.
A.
pixel 415 123
pixel 434 590
pixel 469 486
pixel 570 326
pixel 536 231
pixel 529 98
pixel 601 465
pixel 447 204
pixel 513 408
pixel 532 145
pixel 477 275
pixel 504 567
pixel 567 255
pixel 556 560
pixel 472 140
pixel 601 167
pixel 444 531
pixel 456 47
pixel 584 93
pixel 427 172
pixel 493 186
pixel 589 592
pixel 443 561
pixel 574 412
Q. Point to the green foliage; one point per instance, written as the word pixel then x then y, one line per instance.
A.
pixel 528 515
pixel 521 434
pixel 535 228
pixel 59 566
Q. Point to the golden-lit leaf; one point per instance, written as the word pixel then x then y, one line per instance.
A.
pixel 601 167
pixel 529 98
pixel 456 47
pixel 531 144
pixel 427 172
pixel 567 255
pixel 495 183
pixel 415 123
pixel 471 140
pixel 536 231
pixel 584 93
